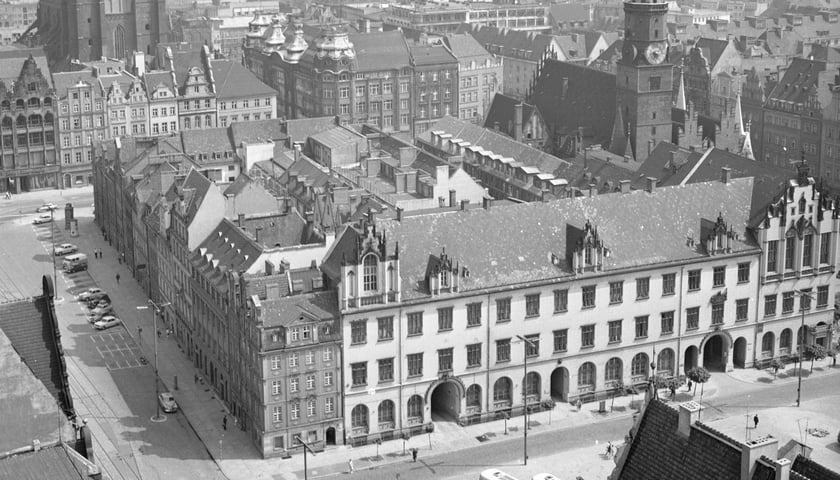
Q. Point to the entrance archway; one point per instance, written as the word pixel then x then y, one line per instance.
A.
pixel 446 402
pixel 690 358
pixel 739 355
pixel 714 354
pixel 560 384
pixel 330 436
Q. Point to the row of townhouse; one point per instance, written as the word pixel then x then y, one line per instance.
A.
pixel 440 312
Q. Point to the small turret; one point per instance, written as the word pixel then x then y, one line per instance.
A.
pixel 296 46
pixel 273 39
pixel 334 44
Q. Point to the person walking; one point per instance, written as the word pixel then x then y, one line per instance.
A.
pixel 118 278
pixel 413 454
pixel 755 420
pixel 350 465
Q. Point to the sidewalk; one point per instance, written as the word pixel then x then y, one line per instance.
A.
pixel 233 450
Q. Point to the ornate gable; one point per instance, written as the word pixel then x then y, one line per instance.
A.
pixel 587 250
pixel 443 274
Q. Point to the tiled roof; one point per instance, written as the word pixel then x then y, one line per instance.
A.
pixel 464 46
pixel 11 62
pixel 527 45
pixel 64 80
pixel 425 55
pixel 502 112
pixel 53 463
pixel 227 248
pixel 378 51
pixel 257 131
pixel 154 79
pixel 812 470
pixel 588 100
pixel 206 140
pixel 502 246
pixel 712 49
pixel 336 137
pixel 276 230
pixel 286 310
pixel 238 185
pixel 800 80
pixel 235 81
pixel 299 129
pixel 197 184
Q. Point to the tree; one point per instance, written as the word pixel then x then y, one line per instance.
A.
pixel 815 352
pixel 699 375
pixel 776 364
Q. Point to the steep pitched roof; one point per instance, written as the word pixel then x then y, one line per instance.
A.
pixel 379 50
pixel 206 140
pixel 430 55
pixel 464 46
pixel 509 42
pixel 234 81
pixel 502 113
pixel 800 80
pixel 257 131
pixel 153 79
pixel 227 248
pixel 55 462
pixel 197 185
pixel 712 49
pixel 284 311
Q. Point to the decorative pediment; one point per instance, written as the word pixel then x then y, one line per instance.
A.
pixel 369 241
pixel 444 274
pixel 717 236
pixel 718 298
pixel 586 249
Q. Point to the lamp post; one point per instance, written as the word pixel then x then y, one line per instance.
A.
pixel 56 297
pixel 526 343
pixel 155 308
pixel 802 295
pixel 306 448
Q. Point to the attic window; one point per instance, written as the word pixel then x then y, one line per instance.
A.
pixel 297 285
pixel 370 265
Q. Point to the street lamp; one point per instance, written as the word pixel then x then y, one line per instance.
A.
pixel 306 448
pixel 525 393
pixel 801 339
pixel 155 308
pixel 56 297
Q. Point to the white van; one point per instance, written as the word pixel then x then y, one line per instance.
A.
pixel 75 262
pixel 495 474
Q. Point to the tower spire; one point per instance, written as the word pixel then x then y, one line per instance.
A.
pixel 739 115
pixel 618 136
pixel 681 94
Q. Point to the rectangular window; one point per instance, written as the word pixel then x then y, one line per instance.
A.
pixel 692 318
pixel 642 326
pixel 275 362
pixel 805 299
pixel 444 319
pixel 358 332
pixel 310 382
pixel 588 296
pixel 276 386
pixel 616 292
pixel 293 360
pixel 655 83
pixel 277 414
pixel 787 302
pixel 561 300
pixel 717 314
pixel 473 314
pixel 415 323
pixel 769 305
pixel 503 350
pixel 719 277
pixel 561 340
pixel 789 248
pixel 743 272
pixel 669 283
pixel 295 410
pixel 474 355
pixel 615 331
pixel 359 373
pixel 503 310
pixel 445 360
pixel 294 384
pixel 667 322
pixel 386 328
pixel 532 346
pixel 310 356
pixel 693 280
pixel 822 296
pixel 329 405
pixel 825 247
pixel 642 288
pixel 807 250
pixel 587 336
pixel 415 364
pixel 742 306
pixel 532 305
pixel 386 369
pixel 328 379
pixel 327 355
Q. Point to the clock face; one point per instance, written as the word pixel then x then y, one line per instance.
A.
pixel 628 52
pixel 655 53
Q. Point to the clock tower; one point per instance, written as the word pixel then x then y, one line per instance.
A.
pixel 644 79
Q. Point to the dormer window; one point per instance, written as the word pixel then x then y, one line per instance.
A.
pixel 369 269
pixel 444 279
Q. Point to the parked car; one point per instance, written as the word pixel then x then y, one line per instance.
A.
pixel 544 476
pixel 42 219
pixel 495 474
pixel 99 312
pixel 107 321
pixel 47 207
pixel 66 249
pixel 87 294
pixel 101 303
pixel 167 402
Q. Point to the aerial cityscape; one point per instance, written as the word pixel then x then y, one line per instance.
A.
pixel 449 239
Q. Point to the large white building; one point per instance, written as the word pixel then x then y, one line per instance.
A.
pixel 607 290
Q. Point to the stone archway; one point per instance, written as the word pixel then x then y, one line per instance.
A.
pixel 445 401
pixel 560 384
pixel 715 353
pixel 739 354
pixel 690 358
pixel 330 436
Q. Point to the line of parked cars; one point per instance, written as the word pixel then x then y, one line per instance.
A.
pixel 496 474
pixel 101 314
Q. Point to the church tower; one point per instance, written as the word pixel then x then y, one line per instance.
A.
pixel 644 77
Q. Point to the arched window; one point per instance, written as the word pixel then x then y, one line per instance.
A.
pixel 34 102
pixel 665 362
pixel 415 407
pixel 48 119
pixel 34 120
pixel 359 417
pixel 369 267
pixel 21 121
pixel 532 385
pixel 613 370
pixel 20 104
pixel 474 396
pixel 386 412
pixel 351 283
pixel 501 390
pixel 768 341
pixel 640 365
pixel 802 204
pixel 586 375
pixel 5 105
pixel 7 123
pixel 784 339
pixel 48 102
pixel 119 42
pixel 208 121
pixel 186 122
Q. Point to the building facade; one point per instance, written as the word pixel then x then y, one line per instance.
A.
pixel 435 85
pixel 434 18
pixel 480 76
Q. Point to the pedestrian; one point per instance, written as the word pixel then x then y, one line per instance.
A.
pixel 350 465
pixel 755 420
pixel 689 385
pixel 414 454
pixel 673 391
pixel 224 422
pixel 118 279
pixel 195 377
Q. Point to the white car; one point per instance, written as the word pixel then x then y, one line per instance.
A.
pixel 65 249
pixel 107 321
pixel 85 296
pixel 42 219
pixel 47 207
pixel 544 476
pixel 167 402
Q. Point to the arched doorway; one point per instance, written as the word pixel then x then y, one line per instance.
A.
pixel 560 384
pixel 330 436
pixel 739 356
pixel 714 354
pixel 690 358
pixel 446 402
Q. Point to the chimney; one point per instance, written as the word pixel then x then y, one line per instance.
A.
pixel 726 175
pixel 593 190
pixel 780 466
pixel 139 64
pixel 464 204
pixel 399 214
pixel 257 234
pixel 452 200
pixel 517 122
pixel 241 220
pixel 297 151
pixel 689 413
pixel 651 184
pixel 751 451
pixel 625 186
pixel 486 202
